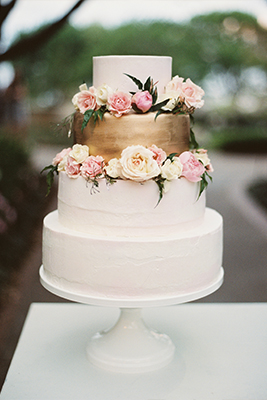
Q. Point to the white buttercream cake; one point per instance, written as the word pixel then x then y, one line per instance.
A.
pixel 132 222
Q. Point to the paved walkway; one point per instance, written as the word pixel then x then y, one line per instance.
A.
pixel 245 243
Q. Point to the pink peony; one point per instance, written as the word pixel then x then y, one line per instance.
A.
pixel 192 168
pixel 86 100
pixel 192 94
pixel 119 103
pixel 159 154
pixel 142 100
pixel 92 166
pixel 73 169
pixel 59 157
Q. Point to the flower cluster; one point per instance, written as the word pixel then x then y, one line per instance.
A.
pixel 179 97
pixel 137 163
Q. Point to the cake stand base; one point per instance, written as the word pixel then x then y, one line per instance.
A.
pixel 130 346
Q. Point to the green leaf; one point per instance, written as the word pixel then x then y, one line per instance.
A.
pixel 171 156
pixel 193 144
pixel 158 113
pixel 86 118
pixel 136 81
pixel 147 85
pixel 204 183
pixel 160 182
pixel 158 106
pixel 52 169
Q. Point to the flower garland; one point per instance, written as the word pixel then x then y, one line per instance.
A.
pixel 180 96
pixel 137 163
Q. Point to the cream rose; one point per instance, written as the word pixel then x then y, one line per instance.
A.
pixel 173 97
pixel 138 164
pixel 102 94
pixel 202 155
pixel 79 153
pixel 172 169
pixel 113 169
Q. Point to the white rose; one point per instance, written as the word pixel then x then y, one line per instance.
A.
pixel 79 153
pixel 172 169
pixel 202 155
pixel 75 101
pixel 102 94
pixel 173 97
pixel 113 168
pixel 138 164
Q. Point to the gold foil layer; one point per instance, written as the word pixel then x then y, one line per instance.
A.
pixel 109 137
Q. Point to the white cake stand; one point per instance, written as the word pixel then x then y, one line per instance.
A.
pixel 130 346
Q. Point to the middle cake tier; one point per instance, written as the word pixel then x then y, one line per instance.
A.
pixel 128 208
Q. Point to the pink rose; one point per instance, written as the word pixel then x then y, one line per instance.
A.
pixel 86 100
pixel 142 100
pixel 159 154
pixel 192 94
pixel 175 85
pixel 192 168
pixel 73 169
pixel 119 103
pixel 59 157
pixel 92 166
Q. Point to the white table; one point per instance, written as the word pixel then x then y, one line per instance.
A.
pixel 221 354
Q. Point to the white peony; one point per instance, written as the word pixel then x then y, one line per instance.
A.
pixel 79 153
pixel 172 169
pixel 138 164
pixel 102 94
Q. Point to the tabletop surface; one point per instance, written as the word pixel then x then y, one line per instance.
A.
pixel 221 354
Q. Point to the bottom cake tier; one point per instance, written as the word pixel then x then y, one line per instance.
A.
pixel 133 268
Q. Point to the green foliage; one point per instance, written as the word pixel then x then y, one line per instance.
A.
pixel 203 45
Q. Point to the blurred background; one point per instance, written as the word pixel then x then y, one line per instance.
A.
pixel 46 50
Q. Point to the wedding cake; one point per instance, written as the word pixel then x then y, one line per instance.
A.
pixel 132 221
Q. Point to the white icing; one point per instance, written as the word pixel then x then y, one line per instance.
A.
pixel 133 267
pixel 128 208
pixel 111 70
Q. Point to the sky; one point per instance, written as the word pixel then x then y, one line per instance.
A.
pixel 30 14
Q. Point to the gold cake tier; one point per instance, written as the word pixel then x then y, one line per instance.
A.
pixel 109 137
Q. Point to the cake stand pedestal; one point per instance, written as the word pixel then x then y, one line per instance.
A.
pixel 130 346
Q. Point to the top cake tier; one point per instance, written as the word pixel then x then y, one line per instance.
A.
pixel 111 70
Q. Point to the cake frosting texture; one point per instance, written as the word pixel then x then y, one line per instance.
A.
pixel 132 221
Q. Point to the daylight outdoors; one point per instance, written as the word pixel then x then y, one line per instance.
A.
pixel 223 51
